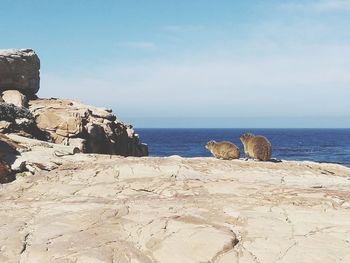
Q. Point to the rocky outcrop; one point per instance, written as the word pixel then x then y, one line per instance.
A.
pixel 19 70
pixel 97 208
pixel 67 122
pixel 16 119
pixel 14 97
pixel 91 129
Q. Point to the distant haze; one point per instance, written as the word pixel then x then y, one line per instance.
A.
pixel 193 63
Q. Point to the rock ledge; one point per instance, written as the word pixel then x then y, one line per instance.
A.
pixel 97 208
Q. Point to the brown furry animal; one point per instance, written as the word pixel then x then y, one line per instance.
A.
pixel 256 147
pixel 223 150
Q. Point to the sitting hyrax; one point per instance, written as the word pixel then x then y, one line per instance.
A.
pixel 223 150
pixel 256 147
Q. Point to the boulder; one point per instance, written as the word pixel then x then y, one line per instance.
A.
pixel 19 70
pixel 91 129
pixel 66 124
pixel 14 97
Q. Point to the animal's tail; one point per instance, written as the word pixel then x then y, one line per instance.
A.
pixel 274 160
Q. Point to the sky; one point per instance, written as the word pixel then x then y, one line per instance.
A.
pixel 198 63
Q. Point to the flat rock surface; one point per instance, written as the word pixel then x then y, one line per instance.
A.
pixel 98 208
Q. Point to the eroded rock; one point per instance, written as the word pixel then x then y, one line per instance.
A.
pixel 92 129
pixel 14 97
pixel 19 70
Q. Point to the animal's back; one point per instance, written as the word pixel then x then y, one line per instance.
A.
pixel 262 149
pixel 226 150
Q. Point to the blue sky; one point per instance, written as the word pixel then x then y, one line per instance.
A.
pixel 198 63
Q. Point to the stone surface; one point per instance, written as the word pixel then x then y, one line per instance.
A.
pixel 92 129
pixel 10 113
pixel 4 173
pixel 14 97
pixel 67 122
pixel 99 208
pixel 7 149
pixel 20 120
pixel 19 70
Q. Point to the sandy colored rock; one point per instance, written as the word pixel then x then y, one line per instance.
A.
pixel 4 126
pixel 64 123
pixel 98 208
pixel 14 97
pixel 94 130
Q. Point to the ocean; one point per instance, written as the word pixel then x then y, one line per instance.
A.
pixel 320 145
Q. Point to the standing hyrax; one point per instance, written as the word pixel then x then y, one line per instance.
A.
pixel 256 147
pixel 223 150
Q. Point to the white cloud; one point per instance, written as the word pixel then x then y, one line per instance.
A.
pixel 333 5
pixel 319 5
pixel 291 69
pixel 313 81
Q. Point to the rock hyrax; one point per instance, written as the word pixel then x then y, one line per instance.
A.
pixel 256 147
pixel 223 150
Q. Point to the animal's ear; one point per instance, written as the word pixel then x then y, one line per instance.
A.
pixel 247 135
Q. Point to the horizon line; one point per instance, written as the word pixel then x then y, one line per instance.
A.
pixel 328 128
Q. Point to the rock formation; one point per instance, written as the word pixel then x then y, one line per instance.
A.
pixel 91 129
pixel 19 70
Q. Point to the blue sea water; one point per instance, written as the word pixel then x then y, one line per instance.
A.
pixel 320 145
